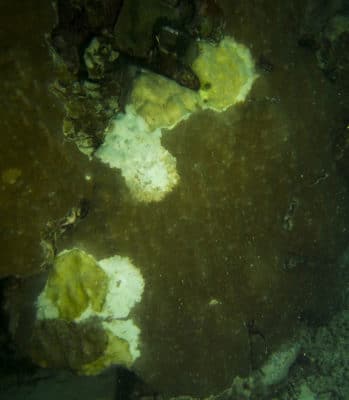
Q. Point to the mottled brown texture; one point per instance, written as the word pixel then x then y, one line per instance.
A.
pixel 65 344
pixel 252 232
pixel 52 172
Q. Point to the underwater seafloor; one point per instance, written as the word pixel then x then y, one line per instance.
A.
pixel 245 261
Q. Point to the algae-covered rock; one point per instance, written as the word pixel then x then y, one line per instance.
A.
pixel 116 352
pixel 99 56
pixel 75 283
pixel 57 343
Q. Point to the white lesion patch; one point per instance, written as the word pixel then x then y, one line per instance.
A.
pixel 133 141
pixel 148 168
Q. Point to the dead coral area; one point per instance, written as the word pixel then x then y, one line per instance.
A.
pixel 314 367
